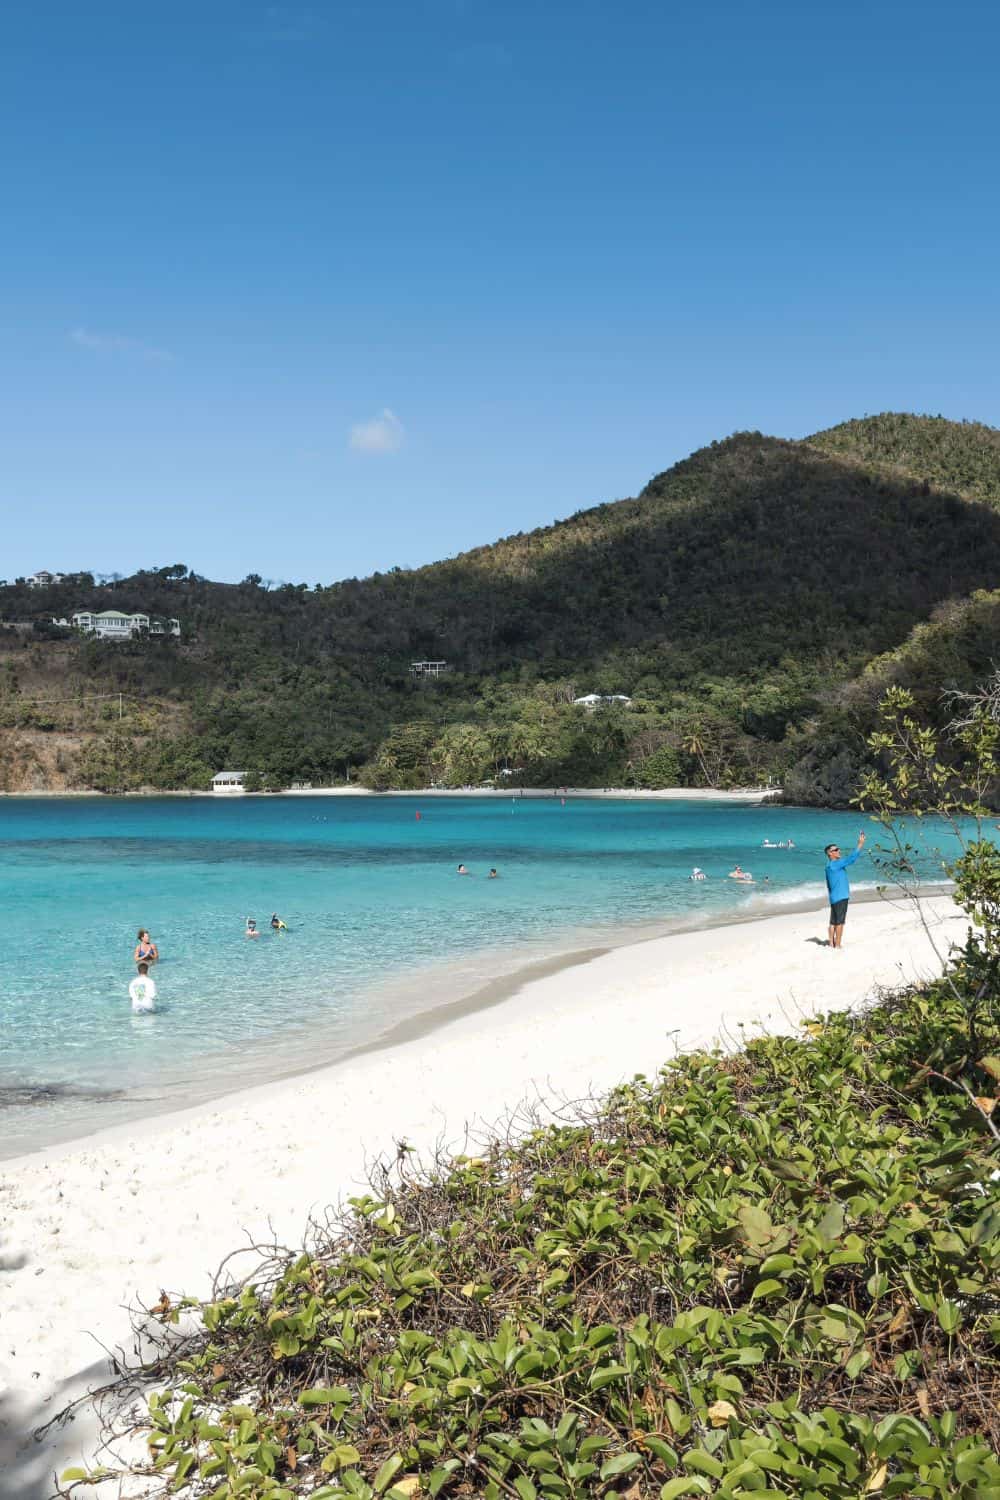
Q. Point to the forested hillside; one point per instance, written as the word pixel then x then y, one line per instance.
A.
pixel 747 602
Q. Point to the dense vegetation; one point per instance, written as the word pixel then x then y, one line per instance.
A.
pixel 766 1275
pixel 738 601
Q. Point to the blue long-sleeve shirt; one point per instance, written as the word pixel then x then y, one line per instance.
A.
pixel 837 882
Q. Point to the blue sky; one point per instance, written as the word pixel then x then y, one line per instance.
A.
pixel 310 290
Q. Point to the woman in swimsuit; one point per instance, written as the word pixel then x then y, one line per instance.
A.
pixel 146 951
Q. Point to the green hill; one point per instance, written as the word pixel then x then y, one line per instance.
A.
pixel 733 600
pixel 959 456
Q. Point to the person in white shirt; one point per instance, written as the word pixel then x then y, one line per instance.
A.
pixel 142 991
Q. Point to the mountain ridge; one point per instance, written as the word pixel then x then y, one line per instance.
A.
pixel 733 599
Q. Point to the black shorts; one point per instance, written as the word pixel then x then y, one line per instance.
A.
pixel 838 913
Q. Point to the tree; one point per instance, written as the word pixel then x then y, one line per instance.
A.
pixel 952 773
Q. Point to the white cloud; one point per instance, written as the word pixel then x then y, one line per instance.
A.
pixel 116 343
pixel 382 434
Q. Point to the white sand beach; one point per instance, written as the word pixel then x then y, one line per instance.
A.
pixel 87 1229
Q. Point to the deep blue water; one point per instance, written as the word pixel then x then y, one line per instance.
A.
pixel 380 926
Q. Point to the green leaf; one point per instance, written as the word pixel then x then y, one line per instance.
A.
pixel 323 1395
pixel 387 1473
pixel 703 1463
pixel 949 1315
pixel 831 1225
pixel 990 1065
pixel 660 1448
pixel 593 1445
pixel 780 1262
pixel 622 1463
pixel 71 1476
pixel 525 1488
pixel 766 1288
pixel 755 1223
pixel 604 1375
pixel 340 1457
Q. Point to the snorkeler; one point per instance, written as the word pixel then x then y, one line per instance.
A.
pixel 277 925
pixel 251 928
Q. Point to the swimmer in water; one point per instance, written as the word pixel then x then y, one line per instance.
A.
pixel 462 870
pixel 697 873
pixel 493 874
pixel 251 928
pixel 146 951
pixel 142 991
pixel 277 925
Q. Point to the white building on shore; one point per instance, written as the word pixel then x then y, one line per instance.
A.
pixel 44 579
pixel 226 783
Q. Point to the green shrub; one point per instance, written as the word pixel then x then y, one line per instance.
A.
pixel 772 1274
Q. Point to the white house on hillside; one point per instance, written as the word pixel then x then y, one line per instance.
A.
pixel 599 700
pixel 114 625
pixel 229 781
pixel 44 580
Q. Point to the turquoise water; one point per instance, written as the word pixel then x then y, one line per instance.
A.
pixel 380 926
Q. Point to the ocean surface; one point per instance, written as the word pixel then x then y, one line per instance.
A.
pixel 381 929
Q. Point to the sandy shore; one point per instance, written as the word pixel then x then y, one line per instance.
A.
pixel 669 794
pixel 87 1229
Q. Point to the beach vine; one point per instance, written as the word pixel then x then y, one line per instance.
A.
pixel 773 1273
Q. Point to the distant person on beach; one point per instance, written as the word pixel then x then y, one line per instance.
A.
pixel 142 991
pixel 462 870
pixel 146 951
pixel 251 928
pixel 839 887
pixel 277 925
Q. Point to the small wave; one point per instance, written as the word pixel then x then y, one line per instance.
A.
pixel 812 890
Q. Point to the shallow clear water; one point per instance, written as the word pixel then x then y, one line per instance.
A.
pixel 380 926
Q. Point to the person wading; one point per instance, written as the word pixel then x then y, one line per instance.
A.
pixel 839 887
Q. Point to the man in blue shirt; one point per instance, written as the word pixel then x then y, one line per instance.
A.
pixel 839 887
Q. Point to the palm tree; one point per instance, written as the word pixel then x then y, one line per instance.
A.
pixel 694 745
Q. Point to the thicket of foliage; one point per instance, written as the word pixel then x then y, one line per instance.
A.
pixel 733 600
pixel 766 1275
pixel 953 652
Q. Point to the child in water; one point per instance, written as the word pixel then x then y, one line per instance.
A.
pixel 251 928
pixel 142 992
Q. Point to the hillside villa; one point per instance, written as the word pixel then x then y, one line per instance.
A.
pixel 113 625
pixel 602 700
